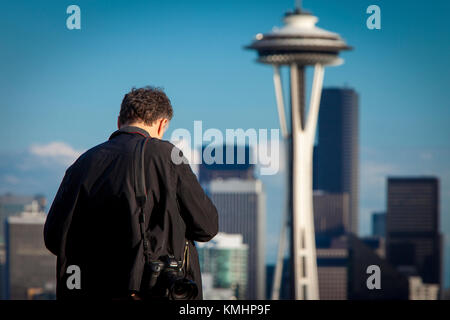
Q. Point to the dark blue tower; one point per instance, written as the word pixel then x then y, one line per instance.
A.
pixel 337 155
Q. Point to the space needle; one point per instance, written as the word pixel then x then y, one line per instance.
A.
pixel 298 44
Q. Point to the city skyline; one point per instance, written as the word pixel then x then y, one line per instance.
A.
pixel 48 123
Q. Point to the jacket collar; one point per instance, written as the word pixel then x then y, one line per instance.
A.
pixel 132 130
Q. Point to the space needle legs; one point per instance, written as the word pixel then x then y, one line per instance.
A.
pixel 304 278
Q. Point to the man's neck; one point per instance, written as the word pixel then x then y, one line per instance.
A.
pixel 150 130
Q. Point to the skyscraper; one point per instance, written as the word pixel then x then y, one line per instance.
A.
pixel 332 266
pixel 422 291
pixel 225 258
pixel 394 285
pixel 331 211
pixel 336 161
pixel 13 204
pixel 30 267
pixel 413 241
pixel 379 224
pixel 343 271
pixel 235 163
pixel 241 202
pixel 241 206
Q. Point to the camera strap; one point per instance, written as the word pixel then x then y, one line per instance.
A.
pixel 141 194
pixel 141 199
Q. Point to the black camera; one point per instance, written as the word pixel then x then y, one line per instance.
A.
pixel 164 279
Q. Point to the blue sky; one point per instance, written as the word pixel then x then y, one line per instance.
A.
pixel 58 85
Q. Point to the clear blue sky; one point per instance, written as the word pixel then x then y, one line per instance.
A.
pixel 62 85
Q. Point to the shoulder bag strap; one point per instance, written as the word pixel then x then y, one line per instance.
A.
pixel 141 194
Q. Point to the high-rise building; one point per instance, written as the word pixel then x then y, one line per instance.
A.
pixel 331 211
pixel 241 202
pixel 422 291
pixel 316 168
pixel 331 223
pixel 332 265
pixel 30 267
pixel 213 293
pixel 337 153
pixel 379 224
pixel 446 294
pixel 377 244
pixel 343 271
pixel 363 263
pixel 234 162
pixel 225 258
pixel 14 204
pixel 241 206
pixel 413 241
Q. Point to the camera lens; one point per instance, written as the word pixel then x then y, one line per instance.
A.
pixel 184 289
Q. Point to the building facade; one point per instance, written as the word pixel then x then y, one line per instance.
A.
pixel 241 205
pixel 30 268
pixel 332 266
pixel 241 202
pixel 233 162
pixel 336 158
pixel 413 240
pixel 379 224
pixel 331 216
pixel 14 204
pixel 422 291
pixel 225 258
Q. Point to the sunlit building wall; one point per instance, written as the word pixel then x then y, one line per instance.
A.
pixel 225 258
pixel 30 267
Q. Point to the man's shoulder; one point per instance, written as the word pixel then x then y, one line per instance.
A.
pixel 163 145
pixel 171 152
pixel 95 150
pixel 90 155
pixel 161 149
pixel 156 148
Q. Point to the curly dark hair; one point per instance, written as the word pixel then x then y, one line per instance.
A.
pixel 146 104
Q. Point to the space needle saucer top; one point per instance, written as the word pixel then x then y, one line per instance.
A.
pixel 299 41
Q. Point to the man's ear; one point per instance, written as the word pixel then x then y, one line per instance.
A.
pixel 162 126
pixel 118 122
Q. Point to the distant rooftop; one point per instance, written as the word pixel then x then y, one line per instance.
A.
pixel 225 241
pixel 31 215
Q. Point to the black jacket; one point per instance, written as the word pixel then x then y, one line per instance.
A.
pixel 93 221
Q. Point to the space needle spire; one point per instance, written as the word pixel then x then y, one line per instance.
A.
pixel 297 45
